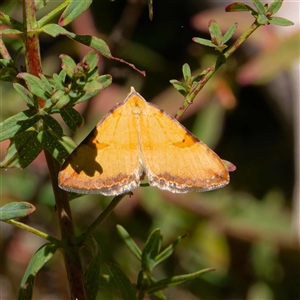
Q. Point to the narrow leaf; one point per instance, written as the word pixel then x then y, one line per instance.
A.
pixel 61 99
pixel 151 250
pixel 68 64
pixel 176 280
pixel 215 32
pixel 105 80
pixel 92 60
pixel 73 10
pixel 91 41
pixel 39 259
pixel 204 42
pixel 14 210
pixel 10 31
pixel 129 242
pixel 51 143
pixel 280 21
pixel 262 19
pixel 68 143
pixel 35 85
pixel 40 4
pixel 26 95
pixel 168 251
pixel 122 281
pixel 275 6
pixel 59 83
pixel 17 124
pixel 227 36
pixel 95 43
pixel 53 124
pixel 47 83
pixel 182 88
pixel 186 70
pixel 92 271
pixel 23 149
pixel 259 6
pixel 72 117
pixel 239 6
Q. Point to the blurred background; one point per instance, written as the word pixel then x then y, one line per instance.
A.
pixel 248 114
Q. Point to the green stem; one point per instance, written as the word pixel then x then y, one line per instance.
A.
pixel 52 14
pixel 211 70
pixel 108 210
pixel 37 232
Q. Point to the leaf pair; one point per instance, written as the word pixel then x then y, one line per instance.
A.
pixel 150 257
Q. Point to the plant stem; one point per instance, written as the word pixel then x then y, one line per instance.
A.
pixel 71 250
pixel 211 70
pixel 108 210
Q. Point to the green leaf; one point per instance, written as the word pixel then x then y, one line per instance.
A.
pixel 26 95
pixel 62 74
pixel 8 74
pixel 94 43
pixel 186 70
pixel 92 271
pixel 92 60
pixel 68 144
pixel 91 41
pixel 17 124
pixel 10 31
pixel 47 83
pixel 151 250
pixel 175 280
pixel 54 30
pixel 73 10
pixel 215 32
pixel 68 65
pixel 51 143
pixel 259 6
pixel 168 251
pixel 133 247
pixel 72 117
pixel 262 19
pixel 204 42
pixel 280 21
pixel 39 259
pixel 182 88
pixel 123 283
pixel 239 6
pixel 59 83
pixel 23 149
pixel 227 36
pixel 35 85
pixel 275 6
pixel 40 4
pixel 105 80
pixel 61 99
pixel 93 87
pixel 14 210
pixel 53 124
